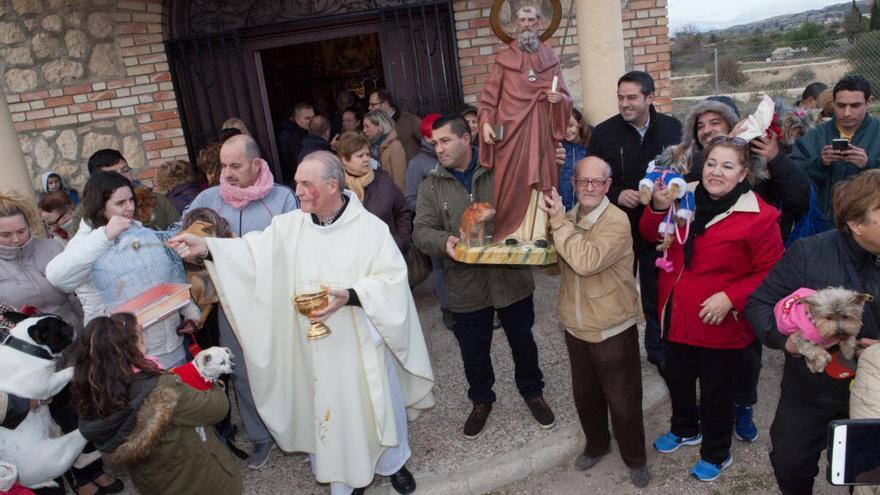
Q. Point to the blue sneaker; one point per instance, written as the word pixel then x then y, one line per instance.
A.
pixel 669 442
pixel 706 471
pixel 745 428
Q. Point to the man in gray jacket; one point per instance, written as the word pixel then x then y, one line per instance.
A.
pixel 248 200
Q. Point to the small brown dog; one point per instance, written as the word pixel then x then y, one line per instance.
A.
pixel 204 222
pixel 822 319
pixel 145 202
pixel 473 222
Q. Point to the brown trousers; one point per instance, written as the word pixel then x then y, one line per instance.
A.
pixel 607 375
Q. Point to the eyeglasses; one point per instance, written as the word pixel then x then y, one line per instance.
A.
pixel 54 223
pixel 585 183
pixel 375 104
pixel 736 142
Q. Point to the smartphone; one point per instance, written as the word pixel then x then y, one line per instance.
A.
pixel 854 452
pixel 840 144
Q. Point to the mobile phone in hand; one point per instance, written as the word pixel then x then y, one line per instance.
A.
pixel 840 145
pixel 854 452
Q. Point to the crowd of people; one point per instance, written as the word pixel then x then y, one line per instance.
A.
pixel 366 200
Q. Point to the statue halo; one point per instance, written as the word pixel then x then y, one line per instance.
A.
pixel 495 22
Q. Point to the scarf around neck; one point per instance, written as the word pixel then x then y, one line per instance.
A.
pixel 376 145
pixel 240 197
pixel 358 184
pixel 707 209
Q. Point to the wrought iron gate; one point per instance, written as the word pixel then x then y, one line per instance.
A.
pixel 210 75
pixel 420 59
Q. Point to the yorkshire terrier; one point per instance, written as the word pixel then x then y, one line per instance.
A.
pixel 820 320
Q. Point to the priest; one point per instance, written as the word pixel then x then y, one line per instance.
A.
pixel 344 398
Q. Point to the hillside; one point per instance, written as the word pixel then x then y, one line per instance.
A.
pixel 824 16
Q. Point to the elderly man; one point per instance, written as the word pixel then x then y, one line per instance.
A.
pixel 598 306
pixel 828 165
pixel 343 399
pixel 406 124
pixel 476 292
pixel 519 98
pixel 248 200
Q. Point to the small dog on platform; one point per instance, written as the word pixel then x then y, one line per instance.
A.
pixel 820 320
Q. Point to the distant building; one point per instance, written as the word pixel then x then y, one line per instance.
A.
pixel 785 52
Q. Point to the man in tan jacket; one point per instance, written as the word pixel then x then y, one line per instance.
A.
pixel 598 306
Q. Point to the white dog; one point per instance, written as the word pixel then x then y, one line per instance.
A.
pixel 27 369
pixel 204 370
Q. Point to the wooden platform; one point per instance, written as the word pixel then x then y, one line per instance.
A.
pixel 502 254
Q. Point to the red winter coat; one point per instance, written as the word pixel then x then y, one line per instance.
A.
pixel 734 255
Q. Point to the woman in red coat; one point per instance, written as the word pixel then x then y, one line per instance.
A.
pixel 734 241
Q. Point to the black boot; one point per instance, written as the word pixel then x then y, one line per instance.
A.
pixel 403 481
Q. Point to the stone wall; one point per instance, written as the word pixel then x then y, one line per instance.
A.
pixel 81 75
pixel 646 45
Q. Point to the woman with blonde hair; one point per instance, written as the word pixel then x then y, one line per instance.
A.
pixel 385 147
pixel 23 260
pixel 374 188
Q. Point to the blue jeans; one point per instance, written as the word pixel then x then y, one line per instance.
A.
pixel 474 333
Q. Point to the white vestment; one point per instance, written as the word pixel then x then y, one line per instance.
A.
pixel 330 397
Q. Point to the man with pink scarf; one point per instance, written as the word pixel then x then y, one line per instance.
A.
pixel 248 199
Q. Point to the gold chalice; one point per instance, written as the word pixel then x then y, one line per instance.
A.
pixel 307 304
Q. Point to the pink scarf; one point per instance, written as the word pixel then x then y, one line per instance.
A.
pixel 240 197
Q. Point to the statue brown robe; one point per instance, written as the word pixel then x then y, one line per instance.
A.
pixel 525 158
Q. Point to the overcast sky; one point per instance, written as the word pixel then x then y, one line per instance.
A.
pixel 712 14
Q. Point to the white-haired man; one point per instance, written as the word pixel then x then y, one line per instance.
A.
pixel 599 306
pixel 343 399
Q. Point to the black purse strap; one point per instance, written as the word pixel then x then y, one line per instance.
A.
pixel 869 323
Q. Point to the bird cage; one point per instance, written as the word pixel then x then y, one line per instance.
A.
pixel 140 274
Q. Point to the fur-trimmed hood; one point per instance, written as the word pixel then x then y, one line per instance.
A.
pixel 690 127
pixel 130 436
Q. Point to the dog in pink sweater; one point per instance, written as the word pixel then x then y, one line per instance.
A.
pixel 820 320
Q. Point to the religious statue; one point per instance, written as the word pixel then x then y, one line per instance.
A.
pixel 522 112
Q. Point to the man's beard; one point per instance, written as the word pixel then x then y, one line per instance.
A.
pixel 528 41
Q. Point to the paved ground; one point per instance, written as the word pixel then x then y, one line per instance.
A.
pixel 513 449
pixel 750 472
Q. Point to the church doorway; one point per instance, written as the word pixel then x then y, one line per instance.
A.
pixel 254 60
pixel 317 72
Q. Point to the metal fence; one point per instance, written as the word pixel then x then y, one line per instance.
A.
pixel 745 71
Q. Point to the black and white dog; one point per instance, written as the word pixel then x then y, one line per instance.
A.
pixel 28 355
